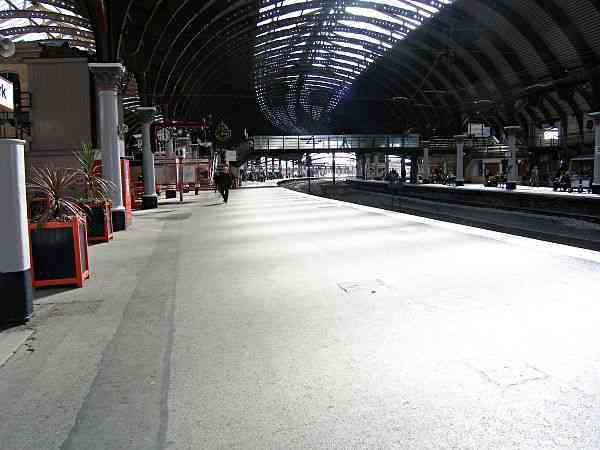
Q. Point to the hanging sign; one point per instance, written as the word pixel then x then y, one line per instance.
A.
pixel 7 102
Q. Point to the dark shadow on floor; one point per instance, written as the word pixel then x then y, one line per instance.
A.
pixel 6 327
pixel 41 293
pixel 174 202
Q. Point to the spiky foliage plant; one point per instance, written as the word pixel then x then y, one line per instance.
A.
pixel 55 185
pixel 97 188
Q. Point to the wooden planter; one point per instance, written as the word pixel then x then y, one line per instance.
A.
pixel 59 253
pixel 99 222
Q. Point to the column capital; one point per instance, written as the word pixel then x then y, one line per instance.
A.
pixel 108 76
pixel 595 116
pixel 459 138
pixel 146 114
pixel 512 129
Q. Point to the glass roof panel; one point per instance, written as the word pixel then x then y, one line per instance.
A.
pixel 45 21
pixel 327 44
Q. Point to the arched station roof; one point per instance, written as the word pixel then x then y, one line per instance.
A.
pixel 46 22
pixel 355 65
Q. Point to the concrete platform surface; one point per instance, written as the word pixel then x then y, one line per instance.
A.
pixel 11 340
pixel 284 321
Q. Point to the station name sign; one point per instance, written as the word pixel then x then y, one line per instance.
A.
pixel 7 101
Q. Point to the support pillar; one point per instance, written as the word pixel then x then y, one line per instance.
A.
pixel 333 167
pixel 513 170
pixel 426 163
pixel 16 304
pixel 122 127
pixel 150 199
pixel 596 181
pixel 170 148
pixel 402 168
pixel 460 159
pixel 108 77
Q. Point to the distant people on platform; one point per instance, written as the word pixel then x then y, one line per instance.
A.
pixel 486 176
pixel 439 177
pixel 392 176
pixel 534 177
pixel 562 181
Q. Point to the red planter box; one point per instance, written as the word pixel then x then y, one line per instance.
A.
pixel 99 222
pixel 59 253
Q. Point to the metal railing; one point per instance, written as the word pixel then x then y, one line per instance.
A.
pixel 563 141
pixel 330 143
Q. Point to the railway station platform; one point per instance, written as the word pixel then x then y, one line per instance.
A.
pixel 282 320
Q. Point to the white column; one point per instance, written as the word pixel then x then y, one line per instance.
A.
pixel 15 265
pixel 596 181
pixel 108 78
pixel 121 129
pixel 513 170
pixel 426 163
pixel 460 159
pixel 170 149
pixel 150 199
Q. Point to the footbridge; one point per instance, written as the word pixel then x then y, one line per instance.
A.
pixel 282 145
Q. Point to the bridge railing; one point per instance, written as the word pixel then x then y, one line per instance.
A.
pixel 329 143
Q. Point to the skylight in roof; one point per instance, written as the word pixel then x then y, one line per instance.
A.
pixel 326 48
pixel 44 21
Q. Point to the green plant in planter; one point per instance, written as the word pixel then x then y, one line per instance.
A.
pixel 96 195
pixel 97 188
pixel 55 186
pixel 58 236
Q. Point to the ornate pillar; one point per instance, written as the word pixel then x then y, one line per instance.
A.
pixel 122 127
pixel 513 170
pixel 16 293
pixel 170 148
pixel 150 199
pixel 596 181
pixel 426 163
pixel 108 78
pixel 460 159
pixel 402 168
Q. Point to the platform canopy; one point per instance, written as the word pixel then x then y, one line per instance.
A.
pixel 343 66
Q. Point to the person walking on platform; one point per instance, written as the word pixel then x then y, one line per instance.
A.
pixel 224 181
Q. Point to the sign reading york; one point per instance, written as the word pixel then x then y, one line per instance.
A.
pixel 7 102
